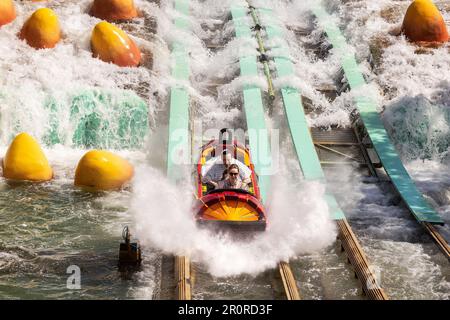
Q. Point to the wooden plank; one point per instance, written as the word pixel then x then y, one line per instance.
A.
pixel 438 238
pixel 183 278
pixel 359 261
pixel 289 283
pixel 334 136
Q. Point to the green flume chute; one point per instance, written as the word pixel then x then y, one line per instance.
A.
pixel 253 105
pixel 367 108
pixel 295 116
pixel 178 149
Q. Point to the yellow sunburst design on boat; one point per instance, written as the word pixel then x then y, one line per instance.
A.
pixel 231 210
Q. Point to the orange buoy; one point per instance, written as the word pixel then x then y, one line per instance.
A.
pixel 114 9
pixel 7 12
pixel 41 30
pixel 25 160
pixel 111 44
pixel 102 170
pixel 424 23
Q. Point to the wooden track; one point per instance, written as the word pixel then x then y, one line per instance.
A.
pixel 183 278
pixel 359 261
pixel 438 238
pixel 289 283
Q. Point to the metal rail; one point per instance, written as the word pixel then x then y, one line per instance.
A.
pixel 262 50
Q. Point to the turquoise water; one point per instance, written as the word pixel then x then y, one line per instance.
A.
pixel 101 119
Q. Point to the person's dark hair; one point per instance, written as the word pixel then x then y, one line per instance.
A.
pixel 226 171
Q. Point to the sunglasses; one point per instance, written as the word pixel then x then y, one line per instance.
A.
pixel 234 173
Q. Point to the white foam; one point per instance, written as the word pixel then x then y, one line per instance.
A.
pixel 298 218
pixel 29 77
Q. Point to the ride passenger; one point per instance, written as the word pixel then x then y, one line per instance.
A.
pixel 233 180
pixel 216 169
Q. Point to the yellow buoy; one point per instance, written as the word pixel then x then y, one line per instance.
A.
pixel 25 160
pixel 424 22
pixel 111 44
pixel 7 12
pixel 102 170
pixel 112 10
pixel 42 29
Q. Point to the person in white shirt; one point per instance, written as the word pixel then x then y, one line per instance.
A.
pixel 214 170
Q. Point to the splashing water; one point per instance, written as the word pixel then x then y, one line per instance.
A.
pixel 69 101
pixel 411 90
pixel 37 93
pixel 298 218
pixel 54 94
pixel 415 82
